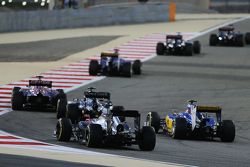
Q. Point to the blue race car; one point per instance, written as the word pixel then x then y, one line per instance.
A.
pixel 226 36
pixel 38 95
pixel 112 65
pixel 195 122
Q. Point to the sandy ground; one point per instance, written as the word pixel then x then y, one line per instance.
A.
pixel 184 23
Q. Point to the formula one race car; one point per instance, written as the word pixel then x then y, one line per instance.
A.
pixel 195 122
pixel 96 122
pixel 227 37
pixel 38 95
pixel 112 65
pixel 176 45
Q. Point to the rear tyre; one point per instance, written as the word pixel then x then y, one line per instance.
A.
pixel 227 131
pixel 179 130
pixel 153 120
pixel 147 139
pixel 61 108
pixel 17 99
pixel 247 38
pixel 188 49
pixel 127 72
pixel 160 48
pixel 197 47
pixel 63 130
pixel 137 67
pixel 93 67
pixel 239 40
pixel 213 40
pixel 94 135
pixel 73 113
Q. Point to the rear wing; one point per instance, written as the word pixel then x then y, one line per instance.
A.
pixel 126 113
pixel 228 28
pixel 40 83
pixel 104 95
pixel 208 109
pixel 174 37
pixel 103 55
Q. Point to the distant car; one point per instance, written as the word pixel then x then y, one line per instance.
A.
pixel 112 65
pixel 38 95
pixel 195 122
pixel 94 121
pixel 226 36
pixel 176 45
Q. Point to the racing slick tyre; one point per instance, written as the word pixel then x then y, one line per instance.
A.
pixel 160 48
pixel 147 139
pixel 136 67
pixel 17 99
pixel 239 41
pixel 179 130
pixel 153 120
pixel 73 112
pixel 188 49
pixel 94 135
pixel 119 109
pixel 247 38
pixel 61 108
pixel 93 67
pixel 63 130
pixel 227 131
pixel 126 70
pixel 213 40
pixel 197 47
pixel 61 93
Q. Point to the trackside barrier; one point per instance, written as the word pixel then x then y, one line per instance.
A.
pixel 74 18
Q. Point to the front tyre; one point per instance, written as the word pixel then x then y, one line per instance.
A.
pixel 153 120
pixel 61 108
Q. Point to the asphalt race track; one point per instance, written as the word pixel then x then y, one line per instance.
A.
pixel 218 76
pixel 15 160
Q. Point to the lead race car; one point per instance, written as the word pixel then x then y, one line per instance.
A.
pixel 38 95
pixel 176 45
pixel 112 65
pixel 226 36
pixel 195 122
pixel 96 122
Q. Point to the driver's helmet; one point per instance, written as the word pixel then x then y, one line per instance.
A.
pixel 178 41
pixel 189 105
pixel 116 51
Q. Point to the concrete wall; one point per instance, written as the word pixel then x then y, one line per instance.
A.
pixel 106 15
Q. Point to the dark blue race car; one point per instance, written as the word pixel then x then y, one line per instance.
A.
pixel 196 122
pixel 176 45
pixel 226 36
pixel 112 65
pixel 38 95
